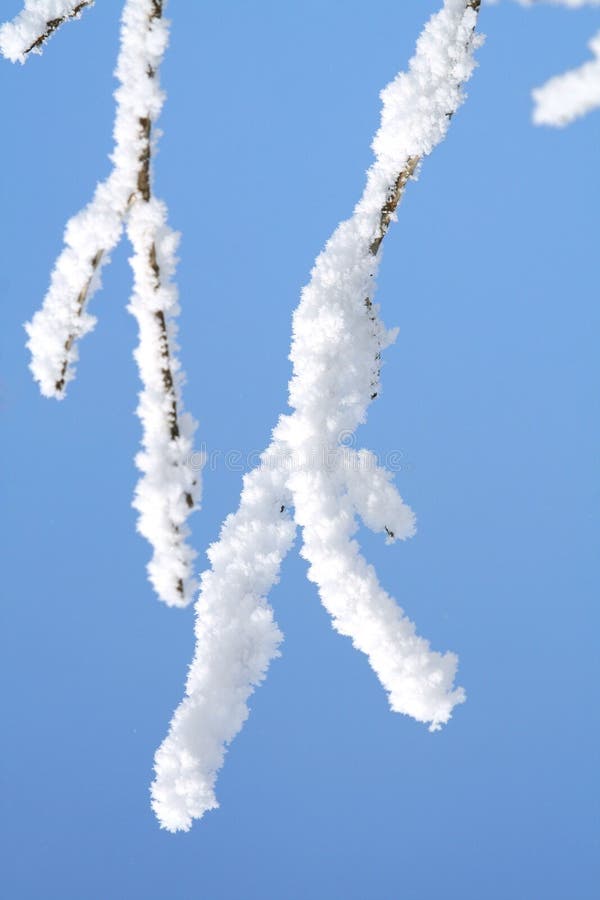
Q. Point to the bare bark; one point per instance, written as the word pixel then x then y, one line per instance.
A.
pixel 393 199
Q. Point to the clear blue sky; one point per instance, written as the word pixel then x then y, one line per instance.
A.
pixel 491 395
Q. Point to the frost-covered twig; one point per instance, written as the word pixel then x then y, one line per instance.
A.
pixel 567 97
pixel 92 234
pixel 168 489
pixel 575 93
pixel 56 328
pixel 307 471
pixel 36 23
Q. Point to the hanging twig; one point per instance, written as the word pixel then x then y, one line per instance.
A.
pixel 168 489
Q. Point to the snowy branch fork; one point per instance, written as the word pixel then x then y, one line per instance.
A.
pixel 336 351
pixel 168 489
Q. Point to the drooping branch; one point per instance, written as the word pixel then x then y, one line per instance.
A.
pixel 36 23
pixel 574 93
pixel 169 489
pixel 56 329
pixel 569 96
pixel 306 470
pixel 144 187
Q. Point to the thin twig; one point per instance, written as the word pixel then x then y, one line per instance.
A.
pixel 81 298
pixel 144 195
pixel 397 190
pixel 54 24
pixel 385 217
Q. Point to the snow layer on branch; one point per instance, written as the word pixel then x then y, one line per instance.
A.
pixel 168 489
pixel 337 341
pixel 57 327
pixel 37 20
pixel 417 680
pixel 573 94
pixel 567 97
pixel 94 232
pixel 236 639
pixel 336 347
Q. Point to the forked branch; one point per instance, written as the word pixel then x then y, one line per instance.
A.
pixel 307 473
pixel 168 488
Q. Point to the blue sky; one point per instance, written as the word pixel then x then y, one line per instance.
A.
pixel 490 396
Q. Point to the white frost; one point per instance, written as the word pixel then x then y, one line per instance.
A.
pixel 168 489
pixel 308 472
pixel 567 97
pixel 21 36
pixel 575 93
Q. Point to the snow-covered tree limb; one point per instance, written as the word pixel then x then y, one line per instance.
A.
pixel 168 489
pixel 35 24
pixel 63 320
pixel 575 93
pixel 374 496
pixel 307 472
pixel 567 97
pixel 93 233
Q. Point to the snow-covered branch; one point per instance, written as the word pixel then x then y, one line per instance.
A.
pixel 308 473
pixel 575 93
pixel 35 24
pixel 567 97
pixel 56 328
pixel 168 490
pixel 93 233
